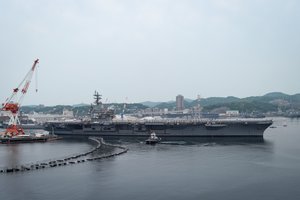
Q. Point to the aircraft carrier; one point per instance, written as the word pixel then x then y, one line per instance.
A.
pixel 102 123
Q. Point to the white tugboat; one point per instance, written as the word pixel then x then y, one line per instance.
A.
pixel 153 139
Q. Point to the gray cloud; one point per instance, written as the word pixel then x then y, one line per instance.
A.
pixel 150 50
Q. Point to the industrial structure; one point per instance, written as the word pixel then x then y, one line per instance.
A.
pixel 13 103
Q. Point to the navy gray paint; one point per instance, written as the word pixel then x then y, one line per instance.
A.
pixel 163 128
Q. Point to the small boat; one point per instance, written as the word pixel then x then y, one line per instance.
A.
pixel 153 139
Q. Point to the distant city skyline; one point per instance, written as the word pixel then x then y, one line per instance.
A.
pixel 135 51
pixel 107 101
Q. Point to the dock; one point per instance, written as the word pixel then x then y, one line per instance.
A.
pixel 28 139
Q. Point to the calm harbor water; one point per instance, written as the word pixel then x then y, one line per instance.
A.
pixel 266 168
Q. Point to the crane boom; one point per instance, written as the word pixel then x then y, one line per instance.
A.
pixel 12 104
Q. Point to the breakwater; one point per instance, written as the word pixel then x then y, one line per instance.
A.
pixel 92 155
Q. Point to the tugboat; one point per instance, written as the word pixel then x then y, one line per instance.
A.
pixel 153 139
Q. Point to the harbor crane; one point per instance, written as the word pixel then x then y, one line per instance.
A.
pixel 13 103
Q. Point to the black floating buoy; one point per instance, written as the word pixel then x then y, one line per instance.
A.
pixel 9 170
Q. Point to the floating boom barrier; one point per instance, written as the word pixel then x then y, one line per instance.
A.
pixel 68 160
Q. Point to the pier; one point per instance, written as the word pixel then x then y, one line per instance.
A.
pixel 88 156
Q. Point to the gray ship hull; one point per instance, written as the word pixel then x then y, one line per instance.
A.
pixel 183 128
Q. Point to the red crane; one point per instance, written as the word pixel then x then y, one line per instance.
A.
pixel 13 104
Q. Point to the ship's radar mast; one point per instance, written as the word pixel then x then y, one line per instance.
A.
pixel 97 98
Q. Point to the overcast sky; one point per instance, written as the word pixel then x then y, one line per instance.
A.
pixel 138 50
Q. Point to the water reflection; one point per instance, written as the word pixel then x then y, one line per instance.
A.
pixel 178 168
pixel 193 140
pixel 13 155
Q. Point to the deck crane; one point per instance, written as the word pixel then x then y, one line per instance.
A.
pixel 13 104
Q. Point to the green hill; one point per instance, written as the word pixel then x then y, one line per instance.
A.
pixel 270 102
